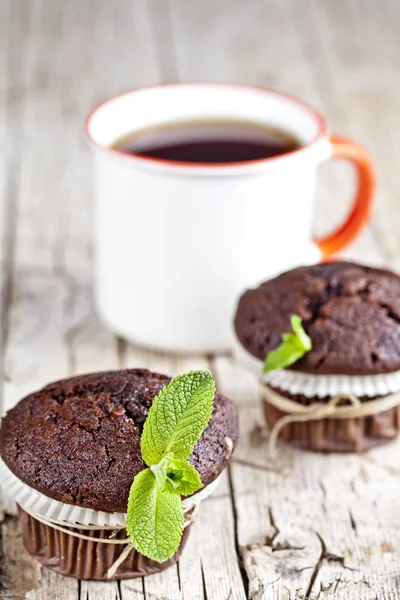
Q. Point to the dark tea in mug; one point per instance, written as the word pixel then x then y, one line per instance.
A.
pixel 208 142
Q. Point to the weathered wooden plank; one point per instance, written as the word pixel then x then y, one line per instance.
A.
pixel 55 587
pixel 90 346
pixel 98 590
pixel 36 351
pixel 52 329
pixel 316 524
pixel 13 67
pixel 78 56
pixel 19 572
pixel 6 243
pixel 4 18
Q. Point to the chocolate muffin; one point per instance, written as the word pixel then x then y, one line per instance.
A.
pixel 77 441
pixel 351 312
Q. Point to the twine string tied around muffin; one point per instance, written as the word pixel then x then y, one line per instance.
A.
pixel 189 514
pixel 334 409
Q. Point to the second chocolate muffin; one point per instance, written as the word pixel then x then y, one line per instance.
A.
pixel 351 312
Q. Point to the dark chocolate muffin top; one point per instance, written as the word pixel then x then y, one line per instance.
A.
pixel 350 311
pixel 78 440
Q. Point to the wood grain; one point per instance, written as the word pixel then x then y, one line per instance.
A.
pixel 319 527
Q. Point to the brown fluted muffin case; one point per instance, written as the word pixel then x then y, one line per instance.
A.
pixel 335 435
pixel 83 559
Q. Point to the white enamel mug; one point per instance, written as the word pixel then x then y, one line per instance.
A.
pixel 177 242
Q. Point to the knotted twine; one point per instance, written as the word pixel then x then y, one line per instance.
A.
pixel 333 409
pixel 189 516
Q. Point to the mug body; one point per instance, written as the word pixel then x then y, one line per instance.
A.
pixel 176 243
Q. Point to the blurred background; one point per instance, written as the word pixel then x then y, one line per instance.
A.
pixel 59 59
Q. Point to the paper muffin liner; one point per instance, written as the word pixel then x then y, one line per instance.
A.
pixel 354 434
pixel 88 559
pixel 319 386
pixel 32 500
pixel 90 556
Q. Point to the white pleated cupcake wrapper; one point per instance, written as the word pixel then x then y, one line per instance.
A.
pixel 38 503
pixel 318 385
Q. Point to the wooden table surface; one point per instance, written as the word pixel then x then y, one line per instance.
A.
pixel 325 526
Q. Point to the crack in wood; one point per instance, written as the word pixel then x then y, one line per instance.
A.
pixel 178 573
pixel 269 540
pixel 326 587
pixel 235 515
pixel 325 555
pixel 352 522
pixel 203 580
pixel 243 572
pixel 316 569
pixel 246 463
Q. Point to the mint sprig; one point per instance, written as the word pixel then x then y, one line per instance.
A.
pixel 177 418
pixel 155 518
pixel 293 347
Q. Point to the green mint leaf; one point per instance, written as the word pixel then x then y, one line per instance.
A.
pixel 160 470
pixel 182 478
pixel 297 327
pixel 154 518
pixel 293 347
pixel 176 475
pixel 178 416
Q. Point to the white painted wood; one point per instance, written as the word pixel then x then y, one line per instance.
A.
pixel 316 524
pixel 19 571
pixel 55 587
pixel 78 54
pixel 98 590
pixel 35 350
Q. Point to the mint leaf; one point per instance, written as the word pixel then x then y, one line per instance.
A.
pixel 160 470
pixel 155 518
pixel 297 327
pixel 182 478
pixel 293 347
pixel 176 475
pixel 178 416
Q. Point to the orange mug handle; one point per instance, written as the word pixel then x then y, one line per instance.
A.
pixel 361 209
